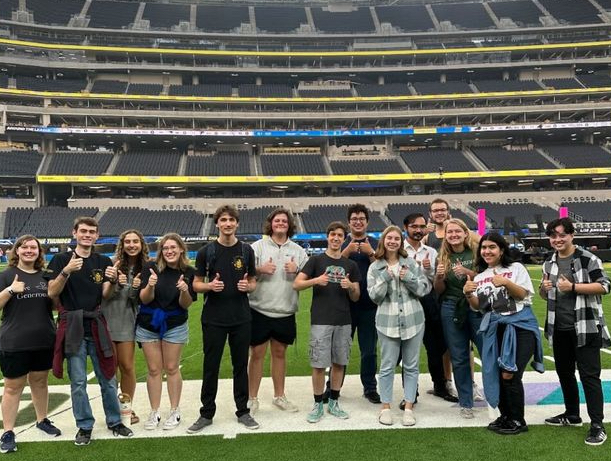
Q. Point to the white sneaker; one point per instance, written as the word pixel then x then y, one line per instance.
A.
pixel 408 417
pixel 153 421
pixel 283 403
pixel 467 413
pixel 253 405
pixel 478 394
pixel 173 420
pixel 451 389
pixel 385 417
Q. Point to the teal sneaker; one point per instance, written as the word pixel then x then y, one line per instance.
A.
pixel 317 412
pixel 335 410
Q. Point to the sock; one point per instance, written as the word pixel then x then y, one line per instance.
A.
pixel 317 398
pixel 334 394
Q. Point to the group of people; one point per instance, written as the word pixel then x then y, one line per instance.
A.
pixel 434 283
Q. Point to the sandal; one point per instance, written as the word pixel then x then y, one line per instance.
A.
pixel 135 418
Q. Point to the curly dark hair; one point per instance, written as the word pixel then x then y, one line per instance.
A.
pixel 267 225
pixel 120 254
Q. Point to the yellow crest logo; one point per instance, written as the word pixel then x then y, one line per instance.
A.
pixel 97 276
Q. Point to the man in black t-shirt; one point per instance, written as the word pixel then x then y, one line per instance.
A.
pixel 80 279
pixel 225 271
pixel 335 282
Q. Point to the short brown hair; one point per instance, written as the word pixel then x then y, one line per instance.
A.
pixel 439 200
pixel 267 225
pixel 337 225
pixel 229 209
pixel 13 258
pixel 86 220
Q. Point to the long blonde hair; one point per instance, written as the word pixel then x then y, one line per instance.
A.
pixel 183 261
pixel 446 249
pixel 380 252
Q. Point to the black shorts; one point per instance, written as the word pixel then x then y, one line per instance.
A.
pixel 17 364
pixel 264 328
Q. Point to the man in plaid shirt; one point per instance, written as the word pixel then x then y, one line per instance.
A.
pixel 573 284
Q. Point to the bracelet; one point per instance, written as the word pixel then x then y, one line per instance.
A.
pixel 10 291
pixel 573 288
pixel 65 274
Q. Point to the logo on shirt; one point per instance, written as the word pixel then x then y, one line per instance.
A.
pixel 335 273
pixel 97 275
pixel 238 263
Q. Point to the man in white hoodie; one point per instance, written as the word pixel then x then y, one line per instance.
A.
pixel 278 260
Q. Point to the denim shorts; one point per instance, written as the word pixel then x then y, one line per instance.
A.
pixel 176 335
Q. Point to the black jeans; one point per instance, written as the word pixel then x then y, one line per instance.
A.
pixel 587 358
pixel 434 341
pixel 511 391
pixel 364 325
pixel 214 345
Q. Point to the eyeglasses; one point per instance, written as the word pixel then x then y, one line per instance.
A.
pixel 358 219
pixel 558 236
pixel 166 249
pixel 439 210
pixel 417 226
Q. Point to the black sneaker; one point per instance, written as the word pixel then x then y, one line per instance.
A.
pixel 564 420
pixel 597 435
pixel 444 394
pixel 48 428
pixel 121 430
pixel 372 396
pixel 83 437
pixel 512 427
pixel 8 444
pixel 497 423
pixel 402 405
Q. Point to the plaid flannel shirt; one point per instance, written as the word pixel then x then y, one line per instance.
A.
pixel 399 314
pixel 586 268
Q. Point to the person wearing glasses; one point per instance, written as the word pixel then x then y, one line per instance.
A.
pixel 573 284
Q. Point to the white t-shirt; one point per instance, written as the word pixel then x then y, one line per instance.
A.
pixel 497 298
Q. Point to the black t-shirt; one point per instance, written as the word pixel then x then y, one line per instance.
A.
pixel 27 319
pixel 83 289
pixel 565 301
pixel 166 294
pixel 229 307
pixel 331 304
pixel 363 262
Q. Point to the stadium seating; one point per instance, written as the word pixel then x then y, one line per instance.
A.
pixel 407 18
pixel 213 18
pixel 3 81
pixel 388 89
pixel 148 163
pixel 317 217
pixel 252 220
pixel 277 19
pixel 523 213
pixel 572 11
pixel 187 223
pixel 54 12
pixel 226 163
pixel 109 87
pixel 162 16
pixel 112 15
pixel 562 83
pixel 383 166
pixel 8 6
pixel 292 164
pixel 43 84
pixel 151 89
pixel 499 159
pixel 19 163
pixel 594 80
pixel 522 12
pixel 208 89
pixel 325 93
pixel 79 163
pixel 579 155
pixel 489 86
pixel 442 88
pixel 52 221
pixel 463 15
pixel 359 20
pixel 434 160
pixel 265 91
pixel 599 211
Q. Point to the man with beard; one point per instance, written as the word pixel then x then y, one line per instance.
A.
pixel 415 227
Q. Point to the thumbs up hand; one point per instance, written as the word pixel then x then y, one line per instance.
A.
pixel 546 284
pixel 74 264
pixel 153 278
pixel 17 286
pixel 137 280
pixel 121 278
pixel 459 269
pixel 403 272
pixel 470 286
pixel 498 280
pixel 217 285
pixel 269 268
pixel 111 271
pixel 345 282
pixel 564 284
pixel 426 262
pixel 182 285
pixel 243 283
pixel 430 226
pixel 441 271
pixel 366 247
pixel 290 267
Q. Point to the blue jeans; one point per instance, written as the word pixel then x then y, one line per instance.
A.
pixel 364 324
pixel 77 372
pixel 459 341
pixel 410 358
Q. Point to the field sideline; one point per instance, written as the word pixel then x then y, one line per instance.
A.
pixel 418 444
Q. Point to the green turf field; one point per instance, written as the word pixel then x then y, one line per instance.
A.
pixel 541 443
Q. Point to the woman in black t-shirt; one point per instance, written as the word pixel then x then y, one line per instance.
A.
pixel 27 337
pixel 162 330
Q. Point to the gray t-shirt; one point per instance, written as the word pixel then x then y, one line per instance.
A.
pixel 565 301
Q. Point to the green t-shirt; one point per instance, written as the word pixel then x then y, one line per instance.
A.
pixel 454 284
